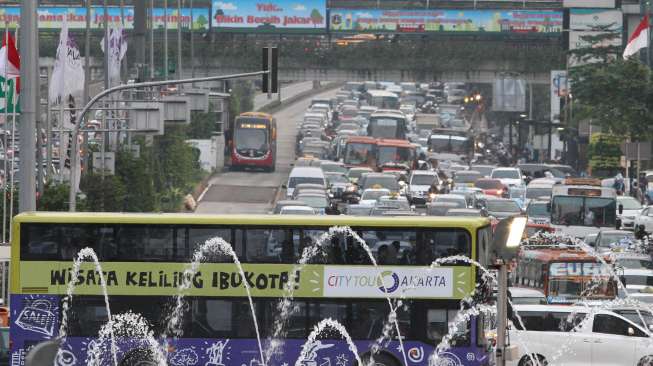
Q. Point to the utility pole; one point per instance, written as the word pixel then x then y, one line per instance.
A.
pixel 165 39
pixel 29 74
pixel 179 49
pixel 151 23
pixel 192 42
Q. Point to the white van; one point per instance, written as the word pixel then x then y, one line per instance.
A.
pixel 304 174
pixel 579 335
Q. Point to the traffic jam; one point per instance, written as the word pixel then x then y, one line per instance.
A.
pixel 414 149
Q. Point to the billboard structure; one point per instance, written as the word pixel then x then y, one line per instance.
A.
pixel 445 20
pixel 276 16
pixel 53 17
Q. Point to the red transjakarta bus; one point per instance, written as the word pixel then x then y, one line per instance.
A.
pixel 392 154
pixel 360 151
pixel 252 141
pixel 565 275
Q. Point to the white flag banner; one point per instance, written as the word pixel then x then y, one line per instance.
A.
pixel 68 74
pixel 117 50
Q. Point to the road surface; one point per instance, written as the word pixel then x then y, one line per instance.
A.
pixel 254 192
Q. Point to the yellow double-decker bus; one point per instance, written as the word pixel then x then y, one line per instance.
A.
pixel 143 257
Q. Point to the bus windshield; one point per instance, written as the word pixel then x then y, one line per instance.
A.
pixel 357 153
pixel 395 154
pixel 583 211
pixel 448 144
pixel 389 128
pixel 251 139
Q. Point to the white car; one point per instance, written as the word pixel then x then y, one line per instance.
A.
pixel 371 195
pixel 630 208
pixel 297 210
pixel 526 296
pixel 304 174
pixel 644 220
pixel 601 337
pixel 508 176
pixel 419 184
pixel 636 271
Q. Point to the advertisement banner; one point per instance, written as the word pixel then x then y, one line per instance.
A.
pixel 445 20
pixel 589 4
pixel 264 280
pixel 579 39
pixel 559 89
pixel 270 16
pixel 571 269
pixel 52 17
pixel 397 282
pixel 595 20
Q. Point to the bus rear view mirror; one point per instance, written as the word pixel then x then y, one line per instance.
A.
pixel 621 209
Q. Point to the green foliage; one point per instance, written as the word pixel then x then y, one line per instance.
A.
pixel 136 174
pixel 201 125
pixel 175 163
pixel 614 93
pixel 103 193
pixel 54 197
pixel 604 152
pixel 242 99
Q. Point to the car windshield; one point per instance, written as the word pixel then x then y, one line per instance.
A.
pixel 359 211
pixel 296 211
pixel 356 173
pixel 333 168
pixel 464 213
pixel 399 204
pixel 422 180
pixel 538 192
pixel 357 153
pixel 314 201
pixel 389 182
pixel 583 211
pixel 294 181
pixel 448 144
pixel 641 317
pixel 635 263
pixel 608 239
pixel 537 210
pixel 374 195
pixel 505 174
pixel 336 178
pixel 484 170
pixel 629 203
pixel 466 178
pixel 251 139
pixel 393 154
pixel 460 203
pixel 502 206
pixel 488 184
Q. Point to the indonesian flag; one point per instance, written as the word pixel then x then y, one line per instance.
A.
pixel 10 60
pixel 639 38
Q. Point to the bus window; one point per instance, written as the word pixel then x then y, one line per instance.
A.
pixel 391 246
pixel 567 210
pixel 445 243
pixel 199 236
pixel 212 318
pixel 147 242
pixel 100 238
pixel 367 319
pixel 39 242
pixel 267 245
pixel 323 310
pixel 296 326
pixel 603 211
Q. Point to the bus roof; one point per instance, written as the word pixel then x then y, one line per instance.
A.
pixel 394 142
pixel 256 114
pixel 469 223
pixel 361 139
pixel 382 93
pixel 557 255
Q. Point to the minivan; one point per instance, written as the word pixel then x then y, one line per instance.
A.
pixel 578 335
pixel 304 174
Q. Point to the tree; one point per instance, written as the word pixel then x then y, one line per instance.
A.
pixel 103 193
pixel 201 22
pixel 136 174
pixel 54 197
pixel 604 152
pixel 612 92
pixel 316 17
pixel 201 125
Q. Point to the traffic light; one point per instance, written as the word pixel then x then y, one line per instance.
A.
pixel 271 63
